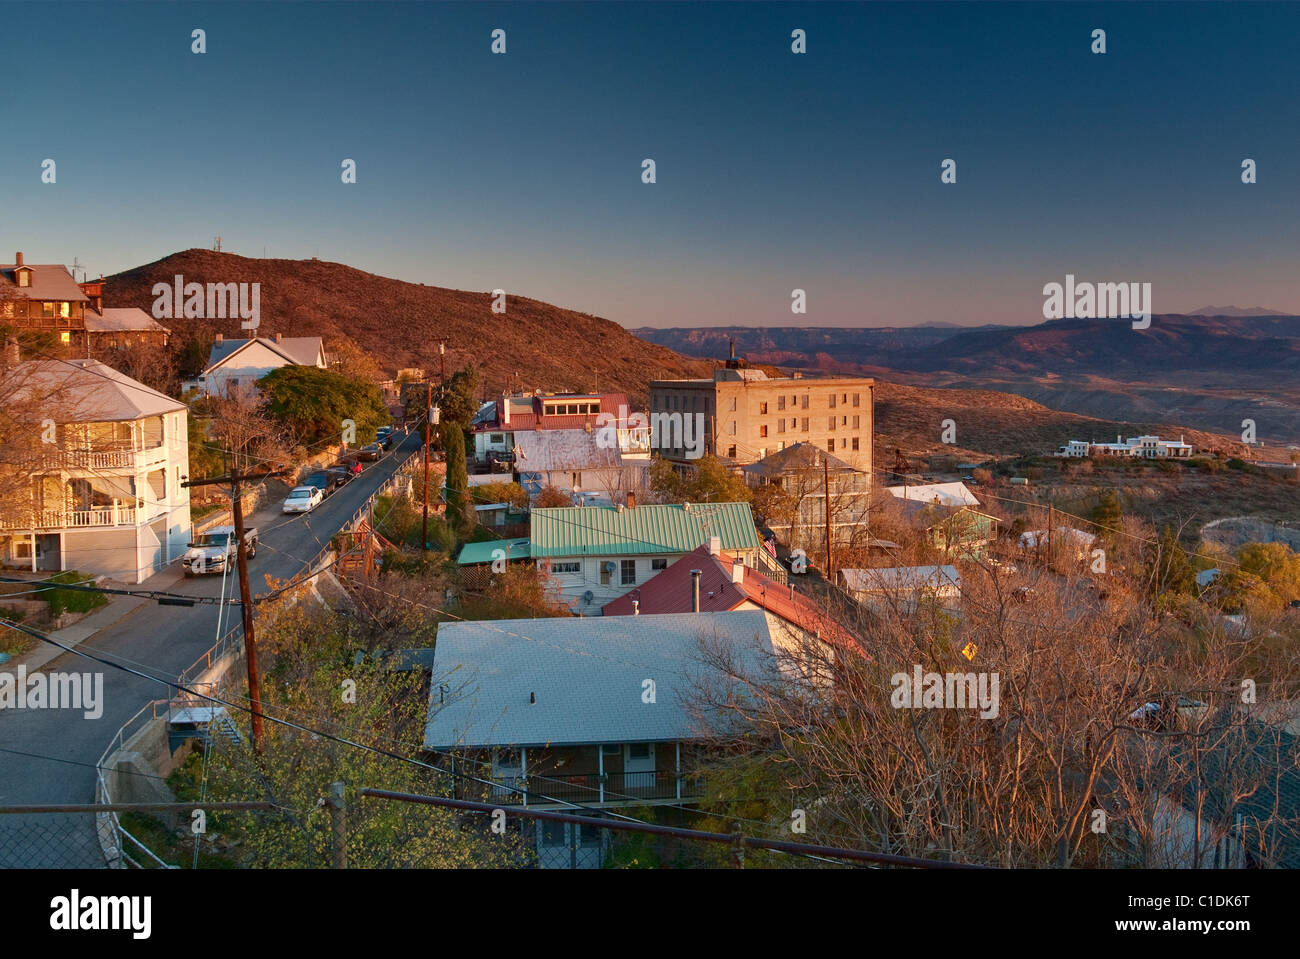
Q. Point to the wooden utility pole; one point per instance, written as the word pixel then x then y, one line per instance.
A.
pixel 428 434
pixel 826 474
pixel 245 593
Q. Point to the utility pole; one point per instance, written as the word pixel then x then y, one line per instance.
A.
pixel 245 594
pixel 428 435
pixel 826 474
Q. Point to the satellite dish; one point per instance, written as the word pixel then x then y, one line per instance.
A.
pixel 588 596
pixel 611 566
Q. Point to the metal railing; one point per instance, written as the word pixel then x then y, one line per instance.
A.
pixel 592 787
pixel 72 518
pixel 107 824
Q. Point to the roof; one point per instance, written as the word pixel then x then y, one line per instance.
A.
pixel 586 674
pixel 301 350
pixel 50 281
pixel 887 578
pixel 89 391
pixel 551 449
pixel 670 591
pixel 129 319
pixel 526 413
pixel 800 456
pixel 1030 537
pixel 947 494
pixel 648 529
pixel 472 553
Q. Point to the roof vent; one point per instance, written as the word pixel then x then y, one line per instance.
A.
pixel 532 698
pixel 715 545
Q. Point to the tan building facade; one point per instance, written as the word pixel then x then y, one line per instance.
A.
pixel 746 415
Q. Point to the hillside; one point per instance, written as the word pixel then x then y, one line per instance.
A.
pixel 400 324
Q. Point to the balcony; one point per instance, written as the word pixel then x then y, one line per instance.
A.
pixel 105 458
pixel 51 519
pixel 594 787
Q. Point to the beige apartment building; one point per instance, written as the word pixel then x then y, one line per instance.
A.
pixel 746 415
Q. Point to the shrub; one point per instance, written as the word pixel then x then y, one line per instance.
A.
pixel 71 600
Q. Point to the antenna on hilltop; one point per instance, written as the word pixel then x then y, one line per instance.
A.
pixel 216 244
pixel 77 265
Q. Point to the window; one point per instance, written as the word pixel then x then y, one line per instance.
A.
pixel 805 401
pixel 612 749
pixel 857 422
pixel 832 399
pixel 497 438
pixel 24 277
pixel 845 398
pixel 731 452
pixel 65 337
pixel 762 452
pixel 780 425
pixel 780 402
pixel 731 428
pixel 804 426
pixel 627 572
pixel 843 442
pixel 731 403
pixel 638 750
pixel 605 572
pixel 762 430
pixel 855 442
pixel 844 421
pixel 762 409
pixel 47 309
pixel 659 563
pixel 566 567
pixel 831 424
pixel 855 399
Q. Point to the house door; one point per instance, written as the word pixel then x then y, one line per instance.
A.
pixel 562 845
pixel 638 766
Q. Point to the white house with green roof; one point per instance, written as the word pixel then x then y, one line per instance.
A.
pixel 595 554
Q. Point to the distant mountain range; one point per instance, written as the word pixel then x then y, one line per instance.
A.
pixel 532 345
pixel 1235 311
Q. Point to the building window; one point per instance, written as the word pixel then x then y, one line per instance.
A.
pixel 605 572
pixel 24 277
pixel 780 425
pixel 855 442
pixel 566 567
pixel 804 427
pixel 731 427
pixel 832 399
pixel 857 422
pixel 805 401
pixel 627 572
pixel 855 399
pixel 762 409
pixel 843 442
pixel 65 337
pixel 780 402
pixel 831 424
pixel 844 421
pixel 731 403
pixel 731 452
pixel 659 563
pixel 762 430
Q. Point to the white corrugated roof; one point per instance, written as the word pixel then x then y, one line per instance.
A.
pixel 947 494
pixel 887 578
pixel 87 391
pixel 129 319
pixel 587 675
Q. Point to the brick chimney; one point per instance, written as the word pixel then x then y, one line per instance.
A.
pixel 631 500
pixel 18 259
pixel 219 338
pixel 279 337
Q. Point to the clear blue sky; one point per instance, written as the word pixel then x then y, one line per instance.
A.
pixel 775 171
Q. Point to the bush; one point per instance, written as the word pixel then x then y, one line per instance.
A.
pixel 71 600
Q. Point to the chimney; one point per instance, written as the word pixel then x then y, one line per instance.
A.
pixel 278 337
pixel 220 337
pixel 737 572
pixel 733 348
pixel 631 500
pixel 695 591
pixel 715 545
pixel 11 350
pixel 18 259
pixel 636 607
pixel 505 410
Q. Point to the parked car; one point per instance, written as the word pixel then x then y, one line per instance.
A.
pixel 386 437
pixel 339 475
pixel 215 551
pixel 324 481
pixel 369 453
pixel 303 499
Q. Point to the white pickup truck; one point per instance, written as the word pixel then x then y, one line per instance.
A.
pixel 215 550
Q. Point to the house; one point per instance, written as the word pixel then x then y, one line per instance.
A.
pixel 959 532
pixel 903 587
pixel 943 494
pixel 1063 537
pixel 598 711
pixel 1146 447
pixel 607 417
pixel 238 364
pixel 706 580
pixel 804 473
pixel 575 461
pixel 745 415
pixel 45 297
pixel 106 495
pixel 595 554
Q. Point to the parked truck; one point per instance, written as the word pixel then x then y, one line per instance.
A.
pixel 215 551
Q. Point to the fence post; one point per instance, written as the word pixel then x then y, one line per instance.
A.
pixel 338 809
pixel 737 847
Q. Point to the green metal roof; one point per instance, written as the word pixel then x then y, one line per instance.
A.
pixel 669 528
pixel 482 552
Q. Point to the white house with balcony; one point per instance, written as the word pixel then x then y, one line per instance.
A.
pixel 105 482
pixel 235 366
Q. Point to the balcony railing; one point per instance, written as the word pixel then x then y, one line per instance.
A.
pixel 593 787
pixel 71 518
pixel 102 459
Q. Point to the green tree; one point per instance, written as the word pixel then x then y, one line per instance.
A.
pixel 706 481
pixel 1108 513
pixel 313 403
pixel 460 506
pixel 458 397
pixel 1172 571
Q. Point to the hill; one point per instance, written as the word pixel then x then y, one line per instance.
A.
pixel 533 345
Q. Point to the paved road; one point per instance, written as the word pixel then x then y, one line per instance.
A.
pixel 158 640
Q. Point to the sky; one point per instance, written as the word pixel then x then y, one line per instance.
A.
pixel 775 171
